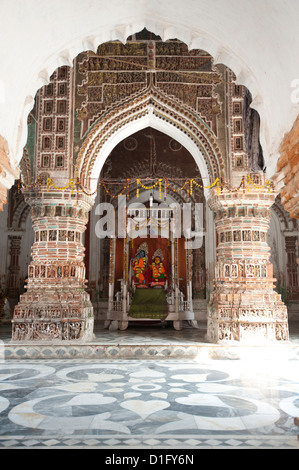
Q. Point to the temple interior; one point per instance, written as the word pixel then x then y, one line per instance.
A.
pixel 144 157
pixel 147 236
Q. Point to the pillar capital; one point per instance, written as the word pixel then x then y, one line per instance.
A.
pixel 254 190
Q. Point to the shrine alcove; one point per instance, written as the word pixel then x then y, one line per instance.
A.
pixel 157 169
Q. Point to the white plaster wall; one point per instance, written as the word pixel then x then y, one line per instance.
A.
pixel 257 39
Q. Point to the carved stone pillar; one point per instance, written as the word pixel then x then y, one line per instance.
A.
pixel 56 305
pixel 292 267
pixel 13 284
pixel 244 306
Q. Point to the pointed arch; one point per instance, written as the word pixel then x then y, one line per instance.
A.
pixel 149 109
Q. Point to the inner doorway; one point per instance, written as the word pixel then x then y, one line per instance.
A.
pixel 154 169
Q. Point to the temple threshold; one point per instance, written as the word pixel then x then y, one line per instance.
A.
pixel 148 342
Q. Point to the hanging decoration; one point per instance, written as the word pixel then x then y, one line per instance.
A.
pixel 187 185
pixel 69 184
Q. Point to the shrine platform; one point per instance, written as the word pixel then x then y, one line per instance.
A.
pixel 147 341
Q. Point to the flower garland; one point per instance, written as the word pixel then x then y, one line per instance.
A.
pixel 159 182
pixel 188 185
pixel 69 184
pixel 216 183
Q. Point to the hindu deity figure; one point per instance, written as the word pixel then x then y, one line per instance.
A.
pixel 157 267
pixel 139 264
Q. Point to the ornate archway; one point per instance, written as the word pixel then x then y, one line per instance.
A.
pixel 150 109
pixel 107 122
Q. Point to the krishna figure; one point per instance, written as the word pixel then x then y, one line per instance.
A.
pixel 139 264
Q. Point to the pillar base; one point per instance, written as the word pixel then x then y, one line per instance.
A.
pixel 258 322
pixel 56 306
pixel 68 316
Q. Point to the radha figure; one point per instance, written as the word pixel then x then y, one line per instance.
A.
pixel 157 268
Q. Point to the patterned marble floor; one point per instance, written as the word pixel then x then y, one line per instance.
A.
pixel 166 404
pixel 176 404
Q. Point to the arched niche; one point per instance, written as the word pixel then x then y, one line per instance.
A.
pixel 148 119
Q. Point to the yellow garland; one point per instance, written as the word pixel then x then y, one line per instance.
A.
pixel 189 183
pixel 267 183
pixel 160 188
pixel 70 183
pixel 216 182
pixel 148 187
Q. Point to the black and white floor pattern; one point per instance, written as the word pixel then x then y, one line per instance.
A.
pixel 172 404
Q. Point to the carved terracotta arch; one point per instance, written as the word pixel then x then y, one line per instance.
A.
pixel 150 106
pixel 20 215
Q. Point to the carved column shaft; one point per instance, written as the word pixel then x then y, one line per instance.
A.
pixel 13 283
pixel 244 305
pixel 292 267
pixel 56 305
